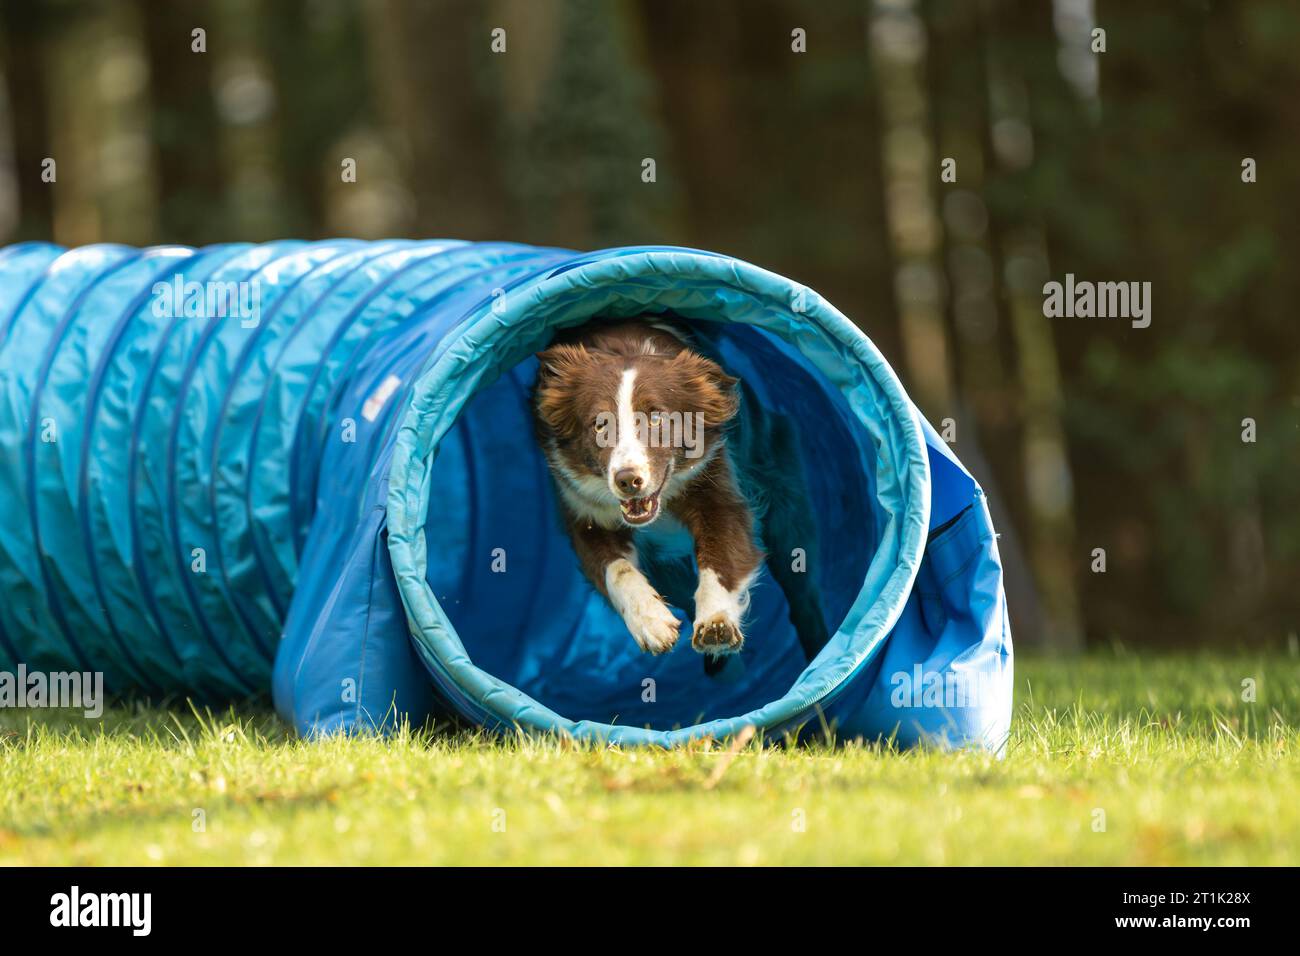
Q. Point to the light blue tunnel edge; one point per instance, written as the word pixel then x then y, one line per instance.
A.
pixel 505 328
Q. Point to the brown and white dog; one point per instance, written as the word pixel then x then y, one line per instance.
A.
pixel 634 423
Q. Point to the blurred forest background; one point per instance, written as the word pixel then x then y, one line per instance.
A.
pixel 824 165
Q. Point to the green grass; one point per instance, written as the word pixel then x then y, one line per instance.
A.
pixel 1184 770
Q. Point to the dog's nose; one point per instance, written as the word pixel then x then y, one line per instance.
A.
pixel 629 481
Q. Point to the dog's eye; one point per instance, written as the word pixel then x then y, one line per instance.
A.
pixel 656 417
pixel 600 426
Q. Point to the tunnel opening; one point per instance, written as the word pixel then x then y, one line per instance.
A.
pixel 501 613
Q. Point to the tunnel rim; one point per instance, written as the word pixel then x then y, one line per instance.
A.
pixel 437 399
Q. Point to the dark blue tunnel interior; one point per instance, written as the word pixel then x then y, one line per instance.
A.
pixel 504 571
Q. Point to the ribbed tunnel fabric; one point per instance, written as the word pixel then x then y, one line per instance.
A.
pixel 335 495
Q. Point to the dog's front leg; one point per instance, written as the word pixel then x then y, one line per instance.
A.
pixel 727 558
pixel 608 559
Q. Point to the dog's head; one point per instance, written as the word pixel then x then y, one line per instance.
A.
pixel 621 427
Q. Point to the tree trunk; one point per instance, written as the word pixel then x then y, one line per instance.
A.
pixel 24 33
pixel 190 180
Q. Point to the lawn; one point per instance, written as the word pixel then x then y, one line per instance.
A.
pixel 1114 759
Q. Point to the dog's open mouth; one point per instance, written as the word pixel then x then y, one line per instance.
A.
pixel 640 510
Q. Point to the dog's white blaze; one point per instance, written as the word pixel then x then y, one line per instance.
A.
pixel 711 598
pixel 638 603
pixel 629 452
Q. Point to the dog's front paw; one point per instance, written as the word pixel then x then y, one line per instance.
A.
pixel 643 611
pixel 718 634
pixel 652 625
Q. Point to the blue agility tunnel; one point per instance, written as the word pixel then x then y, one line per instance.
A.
pixel 310 468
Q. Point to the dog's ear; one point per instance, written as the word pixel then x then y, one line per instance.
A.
pixel 713 390
pixel 561 361
pixel 559 371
